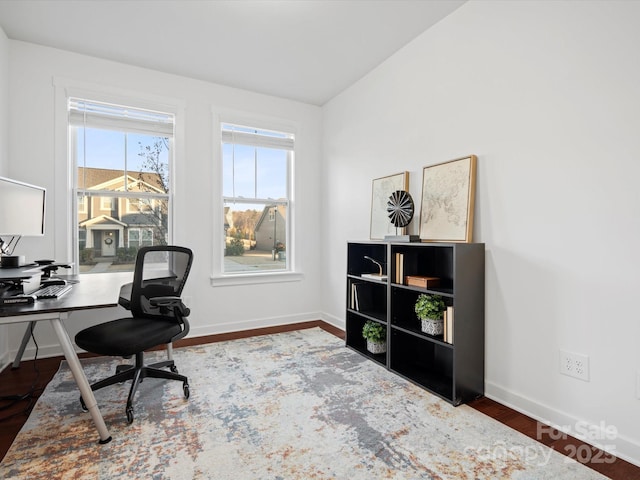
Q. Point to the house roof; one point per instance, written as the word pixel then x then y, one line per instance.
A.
pixel 89 177
pixel 102 220
pixel 282 210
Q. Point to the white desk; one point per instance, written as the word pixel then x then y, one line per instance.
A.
pixel 99 290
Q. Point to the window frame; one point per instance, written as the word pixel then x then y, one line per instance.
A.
pixel 115 196
pixel 219 277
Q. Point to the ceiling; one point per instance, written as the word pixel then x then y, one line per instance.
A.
pixel 305 50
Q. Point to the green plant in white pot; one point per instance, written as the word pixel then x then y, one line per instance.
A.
pixel 376 335
pixel 430 310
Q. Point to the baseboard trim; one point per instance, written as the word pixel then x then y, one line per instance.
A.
pixel 242 326
pixel 333 320
pixel 253 332
pixel 624 447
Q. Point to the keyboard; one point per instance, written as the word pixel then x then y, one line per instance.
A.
pixel 52 291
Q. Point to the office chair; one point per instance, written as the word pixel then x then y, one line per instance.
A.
pixel 158 317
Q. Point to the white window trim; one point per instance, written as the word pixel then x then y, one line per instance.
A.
pixel 218 278
pixel 66 215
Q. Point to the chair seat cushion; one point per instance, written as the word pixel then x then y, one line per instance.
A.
pixel 127 336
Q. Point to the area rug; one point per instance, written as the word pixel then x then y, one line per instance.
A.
pixel 296 405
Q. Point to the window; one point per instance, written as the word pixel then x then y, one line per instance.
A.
pixel 140 238
pixel 256 166
pixel 106 204
pixel 82 204
pixel 121 156
pixel 134 205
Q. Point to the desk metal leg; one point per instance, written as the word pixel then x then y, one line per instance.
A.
pixel 81 379
pixel 23 345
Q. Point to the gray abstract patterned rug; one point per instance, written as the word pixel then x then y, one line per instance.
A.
pixel 295 405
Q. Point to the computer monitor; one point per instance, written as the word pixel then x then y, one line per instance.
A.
pixel 22 212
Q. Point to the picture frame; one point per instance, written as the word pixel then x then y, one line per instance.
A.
pixel 381 190
pixel 448 201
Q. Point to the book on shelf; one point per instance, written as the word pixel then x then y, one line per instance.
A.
pixel 352 297
pixel 361 297
pixel 399 268
pixel 448 325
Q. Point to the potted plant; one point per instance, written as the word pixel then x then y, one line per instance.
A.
pixel 430 310
pixel 376 335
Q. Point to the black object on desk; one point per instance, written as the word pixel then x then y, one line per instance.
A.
pixel 49 268
pixel 19 281
pixel 17 300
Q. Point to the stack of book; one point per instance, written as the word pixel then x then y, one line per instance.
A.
pixel 361 297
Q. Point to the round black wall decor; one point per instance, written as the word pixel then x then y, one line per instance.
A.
pixel 400 208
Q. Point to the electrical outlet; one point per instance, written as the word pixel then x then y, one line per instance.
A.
pixel 575 365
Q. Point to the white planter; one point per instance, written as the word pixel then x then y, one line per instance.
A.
pixel 432 327
pixel 376 348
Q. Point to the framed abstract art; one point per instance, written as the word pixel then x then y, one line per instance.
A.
pixel 448 191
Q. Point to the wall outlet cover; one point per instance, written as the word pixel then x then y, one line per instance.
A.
pixel 574 365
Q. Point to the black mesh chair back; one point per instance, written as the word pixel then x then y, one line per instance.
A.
pixel 160 271
pixel 158 318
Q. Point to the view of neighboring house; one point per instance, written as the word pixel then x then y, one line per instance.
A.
pixel 267 234
pixel 270 230
pixel 106 223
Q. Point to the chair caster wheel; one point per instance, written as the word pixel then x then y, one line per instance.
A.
pixel 185 389
pixel 173 368
pixel 129 415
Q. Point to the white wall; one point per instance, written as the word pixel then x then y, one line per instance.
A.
pixel 34 150
pixel 4 140
pixel 546 94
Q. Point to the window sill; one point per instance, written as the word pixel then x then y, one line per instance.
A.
pixel 255 278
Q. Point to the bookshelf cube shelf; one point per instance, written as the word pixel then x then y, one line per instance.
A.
pixel 366 297
pixel 449 365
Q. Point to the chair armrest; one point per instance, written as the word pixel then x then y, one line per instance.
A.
pixel 170 302
pixel 124 297
pixel 165 301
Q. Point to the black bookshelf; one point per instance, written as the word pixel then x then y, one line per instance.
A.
pixel 451 366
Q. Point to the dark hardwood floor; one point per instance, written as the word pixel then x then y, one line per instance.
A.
pixel 30 379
